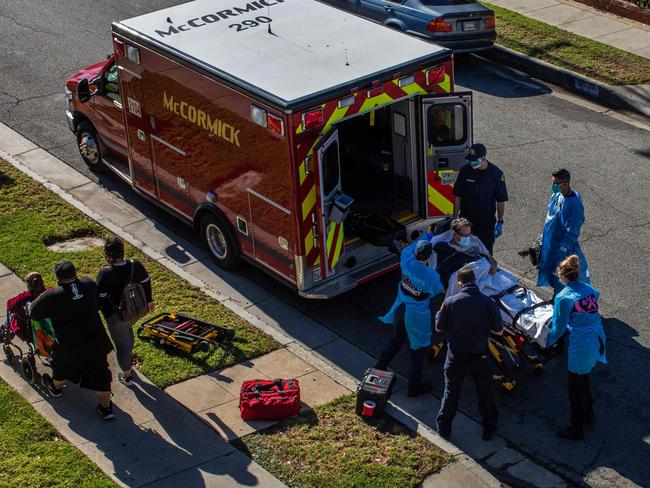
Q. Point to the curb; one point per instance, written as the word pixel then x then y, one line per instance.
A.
pixel 612 97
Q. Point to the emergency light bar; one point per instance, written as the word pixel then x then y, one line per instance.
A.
pixel 406 81
pixel 119 47
pixel 313 120
pixel 264 119
pixel 374 92
pixel 435 75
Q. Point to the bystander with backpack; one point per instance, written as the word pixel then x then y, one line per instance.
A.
pixel 125 296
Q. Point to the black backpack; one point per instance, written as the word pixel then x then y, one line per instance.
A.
pixel 133 300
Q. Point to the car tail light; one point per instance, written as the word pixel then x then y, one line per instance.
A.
pixel 490 22
pixel 119 47
pixel 435 75
pixel 439 25
pixel 313 120
pixel 275 124
pixel 374 92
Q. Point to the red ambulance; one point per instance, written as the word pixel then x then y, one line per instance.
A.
pixel 266 124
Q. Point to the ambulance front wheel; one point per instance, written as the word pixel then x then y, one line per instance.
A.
pixel 218 239
pixel 88 143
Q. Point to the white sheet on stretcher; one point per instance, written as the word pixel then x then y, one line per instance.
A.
pixel 535 324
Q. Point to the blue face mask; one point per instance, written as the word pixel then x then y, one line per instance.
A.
pixel 465 241
pixel 555 188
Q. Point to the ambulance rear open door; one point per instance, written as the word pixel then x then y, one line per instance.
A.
pixel 446 139
pixel 334 205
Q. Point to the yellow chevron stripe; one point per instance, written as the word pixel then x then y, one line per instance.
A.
pixel 339 248
pixel 309 242
pixel 308 203
pixel 374 101
pixel 302 171
pixel 337 115
pixel 446 83
pixel 412 89
pixel 439 201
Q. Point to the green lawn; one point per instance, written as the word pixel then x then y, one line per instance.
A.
pixel 333 447
pixel 562 48
pixel 33 217
pixel 33 455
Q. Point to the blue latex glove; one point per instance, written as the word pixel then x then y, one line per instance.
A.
pixel 498 229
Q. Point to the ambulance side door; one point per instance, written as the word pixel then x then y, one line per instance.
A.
pixel 446 137
pixel 328 175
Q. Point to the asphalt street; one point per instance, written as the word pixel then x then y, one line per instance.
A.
pixel 529 132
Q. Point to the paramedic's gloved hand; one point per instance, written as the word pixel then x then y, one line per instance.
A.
pixel 498 229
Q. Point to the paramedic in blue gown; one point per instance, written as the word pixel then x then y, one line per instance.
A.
pixel 564 218
pixel 411 313
pixel 576 311
pixel 468 318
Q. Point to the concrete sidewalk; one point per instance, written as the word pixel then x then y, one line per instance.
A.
pixel 337 358
pixel 586 21
pixel 153 442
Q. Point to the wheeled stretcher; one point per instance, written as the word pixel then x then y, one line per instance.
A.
pixel 526 317
pixel 184 332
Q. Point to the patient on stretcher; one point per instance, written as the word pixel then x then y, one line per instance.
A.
pixel 457 247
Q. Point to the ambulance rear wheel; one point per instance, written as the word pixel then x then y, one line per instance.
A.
pixel 219 240
pixel 88 143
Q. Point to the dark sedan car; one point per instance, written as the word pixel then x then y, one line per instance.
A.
pixel 461 25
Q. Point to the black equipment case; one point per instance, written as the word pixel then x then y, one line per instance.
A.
pixel 376 385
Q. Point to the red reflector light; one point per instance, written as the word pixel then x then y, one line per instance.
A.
pixel 435 75
pixel 313 120
pixel 119 47
pixel 490 22
pixel 374 92
pixel 520 341
pixel 275 124
pixel 439 25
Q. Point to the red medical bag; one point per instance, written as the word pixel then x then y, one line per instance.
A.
pixel 269 399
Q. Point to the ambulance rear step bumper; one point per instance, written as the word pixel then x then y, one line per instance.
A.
pixel 341 284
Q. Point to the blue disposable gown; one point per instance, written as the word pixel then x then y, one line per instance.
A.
pixel 417 313
pixel 576 310
pixel 560 239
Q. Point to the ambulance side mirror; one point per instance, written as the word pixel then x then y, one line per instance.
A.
pixel 83 90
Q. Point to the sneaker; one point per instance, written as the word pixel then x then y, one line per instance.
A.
pixel 107 412
pixel 125 380
pixel 48 384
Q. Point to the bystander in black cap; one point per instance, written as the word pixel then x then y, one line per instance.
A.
pixel 64 270
pixel 476 151
pixel 423 250
pixel 562 174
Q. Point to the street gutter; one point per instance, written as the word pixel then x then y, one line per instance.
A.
pixel 633 98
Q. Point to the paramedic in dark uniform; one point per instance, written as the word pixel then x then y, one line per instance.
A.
pixel 468 318
pixel 481 193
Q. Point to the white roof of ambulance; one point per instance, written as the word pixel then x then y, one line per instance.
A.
pixel 305 54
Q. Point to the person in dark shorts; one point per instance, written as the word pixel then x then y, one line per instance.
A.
pixel 81 348
pixel 111 281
